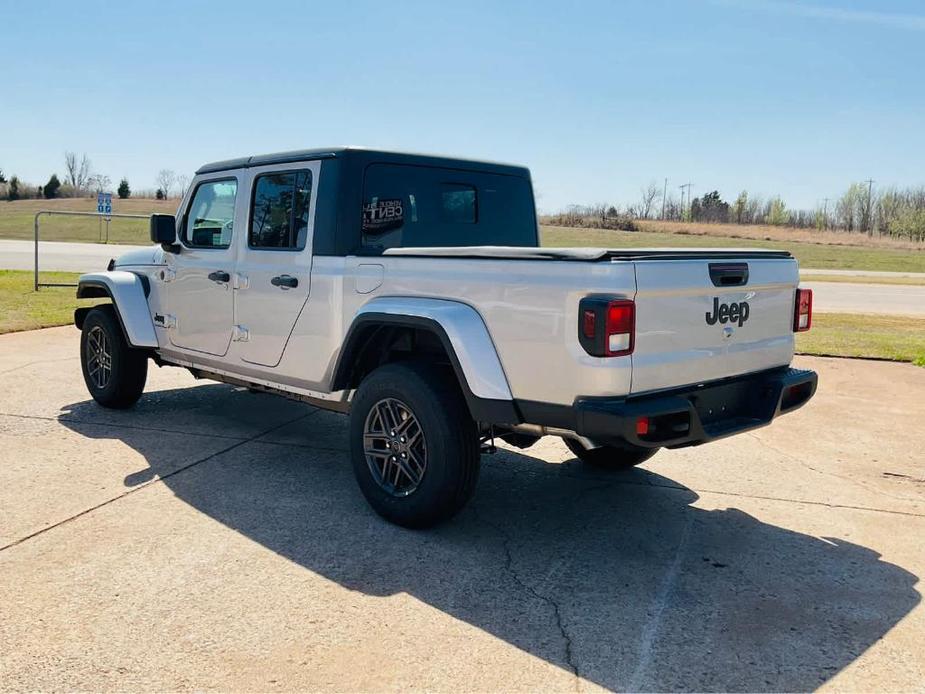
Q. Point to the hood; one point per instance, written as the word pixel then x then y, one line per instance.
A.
pixel 143 256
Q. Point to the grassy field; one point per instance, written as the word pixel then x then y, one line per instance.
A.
pixel 810 255
pixel 846 335
pixel 899 338
pixel 764 232
pixel 862 279
pixel 23 309
pixel 813 249
pixel 17 220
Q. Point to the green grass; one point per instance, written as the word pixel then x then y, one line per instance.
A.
pixel 810 255
pixel 24 309
pixel 17 220
pixel 863 279
pixel 899 338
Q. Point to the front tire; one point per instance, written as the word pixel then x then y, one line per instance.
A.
pixel 610 457
pixel 414 447
pixel 114 372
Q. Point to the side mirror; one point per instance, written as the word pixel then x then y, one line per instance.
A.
pixel 164 232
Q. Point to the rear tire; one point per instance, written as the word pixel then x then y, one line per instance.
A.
pixel 414 447
pixel 610 457
pixel 114 372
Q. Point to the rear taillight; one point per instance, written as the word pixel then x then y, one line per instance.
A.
pixel 607 327
pixel 803 311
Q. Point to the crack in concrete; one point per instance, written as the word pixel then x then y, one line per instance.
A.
pixel 530 590
pixel 117 425
pixel 152 481
pixel 850 480
pixel 35 363
pixel 761 497
pixel 509 568
pixel 847 507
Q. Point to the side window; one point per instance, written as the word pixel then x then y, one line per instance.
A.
pixel 407 205
pixel 279 211
pixel 209 221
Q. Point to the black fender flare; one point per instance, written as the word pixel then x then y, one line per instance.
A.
pixel 485 410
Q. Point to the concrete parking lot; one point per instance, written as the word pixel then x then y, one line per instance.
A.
pixel 212 538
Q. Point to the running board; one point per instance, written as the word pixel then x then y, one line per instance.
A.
pixel 341 406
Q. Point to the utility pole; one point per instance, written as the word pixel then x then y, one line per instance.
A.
pixel 664 195
pixel 682 187
pixel 825 209
pixel 870 217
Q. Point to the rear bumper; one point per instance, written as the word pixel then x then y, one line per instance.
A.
pixel 695 414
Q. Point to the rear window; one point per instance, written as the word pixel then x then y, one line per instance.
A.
pixel 406 206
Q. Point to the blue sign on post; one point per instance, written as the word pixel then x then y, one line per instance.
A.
pixel 104 203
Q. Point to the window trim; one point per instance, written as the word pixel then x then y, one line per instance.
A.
pixel 189 206
pixel 250 209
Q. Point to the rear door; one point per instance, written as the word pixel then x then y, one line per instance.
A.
pixel 274 266
pixel 704 319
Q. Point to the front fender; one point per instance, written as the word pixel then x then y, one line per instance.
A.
pixel 129 297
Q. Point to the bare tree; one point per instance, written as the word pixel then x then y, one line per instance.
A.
pixel 165 179
pixel 599 212
pixel 182 185
pixel 99 182
pixel 650 194
pixel 849 210
pixel 78 174
pixel 672 207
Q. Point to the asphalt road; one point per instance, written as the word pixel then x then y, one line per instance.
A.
pixel 885 299
pixel 829 297
pixel 58 255
pixel 212 538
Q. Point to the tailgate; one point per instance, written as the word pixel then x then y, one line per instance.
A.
pixel 703 319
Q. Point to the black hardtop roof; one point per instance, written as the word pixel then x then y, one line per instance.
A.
pixel 365 156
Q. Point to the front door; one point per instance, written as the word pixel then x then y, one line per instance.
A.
pixel 274 267
pixel 200 296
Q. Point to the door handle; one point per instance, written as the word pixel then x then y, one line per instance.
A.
pixel 285 282
pixel 219 276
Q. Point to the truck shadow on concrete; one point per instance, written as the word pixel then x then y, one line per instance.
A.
pixel 616 577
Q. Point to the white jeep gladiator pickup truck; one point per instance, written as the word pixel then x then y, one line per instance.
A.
pixel 410 291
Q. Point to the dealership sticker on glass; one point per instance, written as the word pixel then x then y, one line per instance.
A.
pixel 380 216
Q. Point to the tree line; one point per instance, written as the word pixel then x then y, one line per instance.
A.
pixel 80 180
pixel 862 208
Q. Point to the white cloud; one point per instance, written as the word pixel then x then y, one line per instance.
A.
pixel 898 20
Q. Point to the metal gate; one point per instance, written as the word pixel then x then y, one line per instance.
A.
pixel 103 238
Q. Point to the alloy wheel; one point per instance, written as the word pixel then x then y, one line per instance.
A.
pixel 395 449
pixel 99 357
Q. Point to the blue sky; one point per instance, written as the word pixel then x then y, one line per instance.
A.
pixel 597 98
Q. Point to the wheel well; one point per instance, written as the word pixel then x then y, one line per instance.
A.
pixel 80 314
pixel 92 291
pixel 376 345
pixel 387 339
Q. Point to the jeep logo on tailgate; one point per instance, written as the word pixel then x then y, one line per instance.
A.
pixel 727 313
